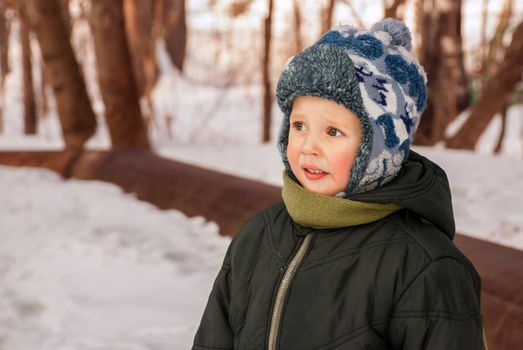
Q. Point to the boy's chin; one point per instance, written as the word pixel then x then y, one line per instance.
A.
pixel 319 188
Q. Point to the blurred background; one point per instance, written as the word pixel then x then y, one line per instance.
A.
pixel 136 136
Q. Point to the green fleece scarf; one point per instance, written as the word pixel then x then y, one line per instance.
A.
pixel 319 211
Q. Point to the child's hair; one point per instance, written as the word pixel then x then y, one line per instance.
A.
pixel 373 74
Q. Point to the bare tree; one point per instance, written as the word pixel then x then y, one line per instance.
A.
pixel 494 96
pixel 74 108
pixel 440 57
pixel 4 48
pixel 492 58
pixel 43 103
pixel 175 31
pixel 326 18
pixel 115 75
pixel 4 42
pixel 267 91
pixel 499 144
pixel 419 28
pixel 64 10
pixel 139 19
pixel 298 42
pixel 482 50
pixel 495 50
pixel 393 9
pixel 30 121
pixel 462 88
pixel 143 23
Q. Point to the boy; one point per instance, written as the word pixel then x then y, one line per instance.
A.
pixel 359 255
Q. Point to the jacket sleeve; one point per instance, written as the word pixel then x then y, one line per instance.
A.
pixel 215 332
pixel 440 309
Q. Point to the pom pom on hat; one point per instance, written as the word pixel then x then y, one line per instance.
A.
pixel 398 31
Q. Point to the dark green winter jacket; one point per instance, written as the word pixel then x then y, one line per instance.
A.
pixel 393 280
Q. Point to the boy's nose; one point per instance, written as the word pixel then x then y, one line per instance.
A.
pixel 311 145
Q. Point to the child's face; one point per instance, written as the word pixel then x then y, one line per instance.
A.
pixel 324 136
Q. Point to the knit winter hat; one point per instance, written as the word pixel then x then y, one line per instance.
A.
pixel 371 73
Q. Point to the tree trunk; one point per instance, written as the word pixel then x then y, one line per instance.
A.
pixel 175 31
pixel 298 43
pixel 482 52
pixel 4 43
pixel 139 16
pixel 74 108
pixel 495 49
pixel 64 10
pixel 463 97
pixel 267 91
pixel 44 103
pixel 115 75
pixel 495 95
pixel 29 95
pixel 519 100
pixel 392 10
pixel 440 60
pixel 142 22
pixel 327 13
pixel 419 28
pixel 499 145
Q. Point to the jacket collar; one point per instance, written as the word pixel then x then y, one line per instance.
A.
pixel 319 211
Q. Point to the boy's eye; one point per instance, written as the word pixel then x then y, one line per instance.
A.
pixel 335 132
pixel 298 125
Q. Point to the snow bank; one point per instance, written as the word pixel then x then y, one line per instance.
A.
pixel 85 266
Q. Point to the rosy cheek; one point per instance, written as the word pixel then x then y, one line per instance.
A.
pixel 340 165
pixel 292 156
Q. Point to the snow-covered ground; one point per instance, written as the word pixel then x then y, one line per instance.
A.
pixel 85 266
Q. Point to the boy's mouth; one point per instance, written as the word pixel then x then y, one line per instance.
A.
pixel 314 174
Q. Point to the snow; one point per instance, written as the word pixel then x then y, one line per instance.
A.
pixel 85 266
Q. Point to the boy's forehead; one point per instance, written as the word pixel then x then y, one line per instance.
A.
pixel 333 113
pixel 325 115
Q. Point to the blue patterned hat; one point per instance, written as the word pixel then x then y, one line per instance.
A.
pixel 373 74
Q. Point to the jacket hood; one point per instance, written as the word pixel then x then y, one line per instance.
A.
pixel 422 187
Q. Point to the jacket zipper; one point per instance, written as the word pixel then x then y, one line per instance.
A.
pixel 282 291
